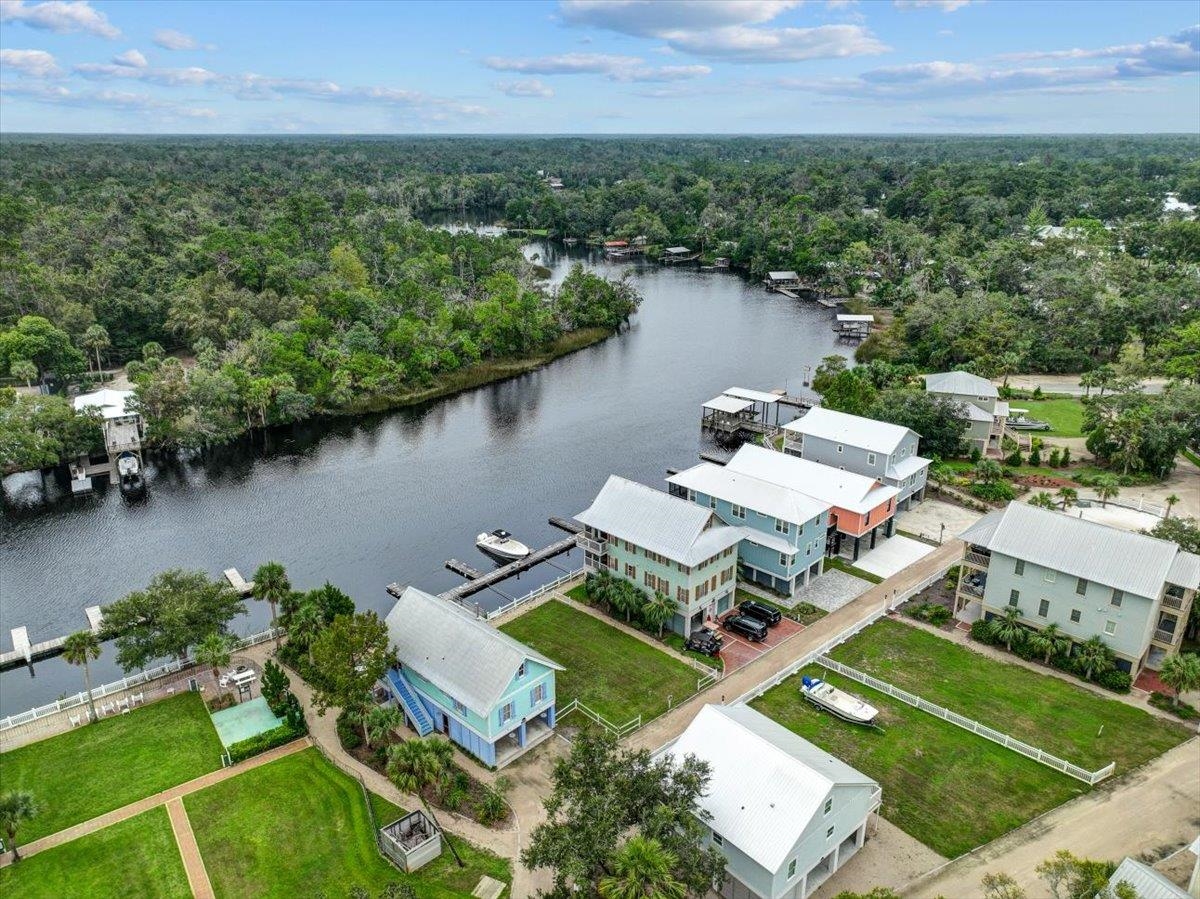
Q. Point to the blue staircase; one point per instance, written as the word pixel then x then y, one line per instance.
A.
pixel 408 699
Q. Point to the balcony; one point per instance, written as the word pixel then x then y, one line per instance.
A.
pixel 978 560
pixel 1165 637
pixel 591 544
pixel 1171 601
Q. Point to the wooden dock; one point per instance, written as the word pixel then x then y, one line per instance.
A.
pixel 713 458
pixel 799 401
pixel 831 302
pixel 238 583
pixel 787 292
pixel 462 569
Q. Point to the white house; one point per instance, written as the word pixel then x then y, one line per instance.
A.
pixel 785 814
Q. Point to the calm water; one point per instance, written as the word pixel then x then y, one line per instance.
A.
pixel 389 498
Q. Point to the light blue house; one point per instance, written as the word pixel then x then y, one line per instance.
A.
pixel 459 676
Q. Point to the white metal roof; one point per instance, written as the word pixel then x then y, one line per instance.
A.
pixel 907 466
pixel 783 276
pixel 856 318
pixel 455 651
pixel 851 430
pixel 678 250
pixel 744 489
pixel 844 489
pixel 1146 882
pixel 1135 563
pixel 728 404
pixel 757 396
pixel 961 382
pixel 654 520
pixel 971 412
pixel 111 403
pixel 766 783
pixel 1185 571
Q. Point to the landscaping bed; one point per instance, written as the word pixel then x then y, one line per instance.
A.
pixel 300 827
pixel 611 672
pixel 99 767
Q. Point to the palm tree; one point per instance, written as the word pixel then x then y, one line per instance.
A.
pixel 1049 641
pixel 96 338
pixel 642 869
pixel 1170 501
pixel 214 651
pixel 305 624
pixel 626 598
pixel 988 471
pixel 1094 657
pixel 23 369
pixel 1067 496
pixel 657 610
pixel 417 765
pixel 1106 488
pixel 1007 627
pixel 16 807
pixel 381 721
pixel 1180 672
pixel 1043 500
pixel 271 583
pixel 81 648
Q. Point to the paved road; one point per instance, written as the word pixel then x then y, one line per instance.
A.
pixel 1154 806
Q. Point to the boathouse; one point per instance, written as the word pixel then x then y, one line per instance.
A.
pixel 782 281
pixel 458 675
pixel 672 255
pixel 726 415
pixel 123 428
pixel 854 327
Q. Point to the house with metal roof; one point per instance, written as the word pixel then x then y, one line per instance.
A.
pixel 1146 882
pixel 875 449
pixel 785 814
pixel 459 676
pixel 981 407
pixel 1132 590
pixel 784 531
pixel 662 543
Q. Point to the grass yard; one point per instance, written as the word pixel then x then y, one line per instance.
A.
pixel 136 857
pixel 842 565
pixel 945 786
pixel 299 827
pixel 1064 414
pixel 609 671
pixel 94 769
pixel 1044 711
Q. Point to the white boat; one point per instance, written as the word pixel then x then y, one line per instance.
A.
pixel 502 545
pixel 836 702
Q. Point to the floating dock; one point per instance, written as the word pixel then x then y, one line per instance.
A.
pixel 238 583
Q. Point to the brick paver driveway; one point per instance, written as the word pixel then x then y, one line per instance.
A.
pixel 738 651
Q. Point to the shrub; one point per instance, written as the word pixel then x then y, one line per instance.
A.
pixel 1055 457
pixel 1025 651
pixel 1037 392
pixel 1115 680
pixel 983 632
pixel 1167 704
pixel 274 685
pixel 995 493
pixel 1035 458
pixel 1066 456
pixel 1014 459
pixel 348 734
pixel 220 701
pixel 931 612
pixel 976 454
pixel 262 742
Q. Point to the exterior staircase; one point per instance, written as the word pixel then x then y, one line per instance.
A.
pixel 407 697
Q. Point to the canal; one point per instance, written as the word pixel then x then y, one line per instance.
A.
pixel 390 497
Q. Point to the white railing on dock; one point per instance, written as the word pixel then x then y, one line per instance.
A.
pixel 534 594
pixel 125 683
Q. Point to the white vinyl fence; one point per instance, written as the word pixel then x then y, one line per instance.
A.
pixel 618 730
pixel 534 594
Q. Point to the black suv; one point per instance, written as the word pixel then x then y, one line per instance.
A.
pixel 705 642
pixel 750 628
pixel 764 613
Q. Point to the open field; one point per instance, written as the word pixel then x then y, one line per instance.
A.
pixel 102 766
pixel 135 857
pixel 945 786
pixel 299 827
pixel 1065 415
pixel 607 670
pixel 1046 712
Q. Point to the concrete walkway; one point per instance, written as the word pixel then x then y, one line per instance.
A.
pixel 189 851
pixel 166 796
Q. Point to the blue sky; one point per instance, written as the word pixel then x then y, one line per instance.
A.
pixel 600 66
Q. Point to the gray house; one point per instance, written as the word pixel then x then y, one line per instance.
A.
pixel 877 449
pixel 785 814
pixel 985 413
pixel 1131 590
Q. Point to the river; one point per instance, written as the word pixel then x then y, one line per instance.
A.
pixel 390 497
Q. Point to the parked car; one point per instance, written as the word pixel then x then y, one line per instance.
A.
pixel 764 613
pixel 704 642
pixel 750 628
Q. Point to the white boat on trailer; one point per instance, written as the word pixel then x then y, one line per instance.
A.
pixel 501 544
pixel 837 702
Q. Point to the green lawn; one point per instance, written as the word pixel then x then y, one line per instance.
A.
pixel 299 827
pixel 1064 414
pixel 842 565
pixel 607 670
pixel 94 769
pixel 945 786
pixel 1051 714
pixel 136 857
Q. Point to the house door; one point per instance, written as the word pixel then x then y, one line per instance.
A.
pixel 446 724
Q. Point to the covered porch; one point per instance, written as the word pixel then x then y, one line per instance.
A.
pixel 524 737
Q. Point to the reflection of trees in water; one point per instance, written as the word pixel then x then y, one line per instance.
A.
pixel 510 403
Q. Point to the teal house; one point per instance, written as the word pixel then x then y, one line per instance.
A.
pixel 457 675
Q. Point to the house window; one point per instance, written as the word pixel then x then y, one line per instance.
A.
pixel 828 805
pixel 785 560
pixel 782 526
pixel 1081 587
pixel 1075 616
pixel 712 502
pixel 537 695
pixel 664 586
pixel 1117 596
pixel 1050 576
pixel 521 670
pixel 1043 608
pixel 630 571
pixel 692 495
pixel 718 839
pixel 870 458
pixel 612 562
pixel 648 579
pixel 738 511
pixel 791 869
pixel 1013 597
pixel 507 712
pixel 1110 628
pixel 458 706
pixel 681 594
pixel 839 447
pixel 829 833
pixel 1019 569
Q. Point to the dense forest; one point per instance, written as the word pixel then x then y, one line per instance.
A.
pixel 260 280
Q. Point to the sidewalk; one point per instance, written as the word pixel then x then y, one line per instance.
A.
pixel 189 851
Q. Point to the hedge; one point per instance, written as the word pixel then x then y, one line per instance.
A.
pixel 260 743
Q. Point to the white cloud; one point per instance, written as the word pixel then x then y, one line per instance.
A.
pixel 191 75
pixel 35 63
pixel 59 16
pixel 613 67
pixel 943 5
pixel 170 39
pixel 131 58
pixel 723 29
pixel 1177 54
pixel 62 96
pixel 531 87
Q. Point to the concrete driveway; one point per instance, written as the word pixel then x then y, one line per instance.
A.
pixel 893 555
